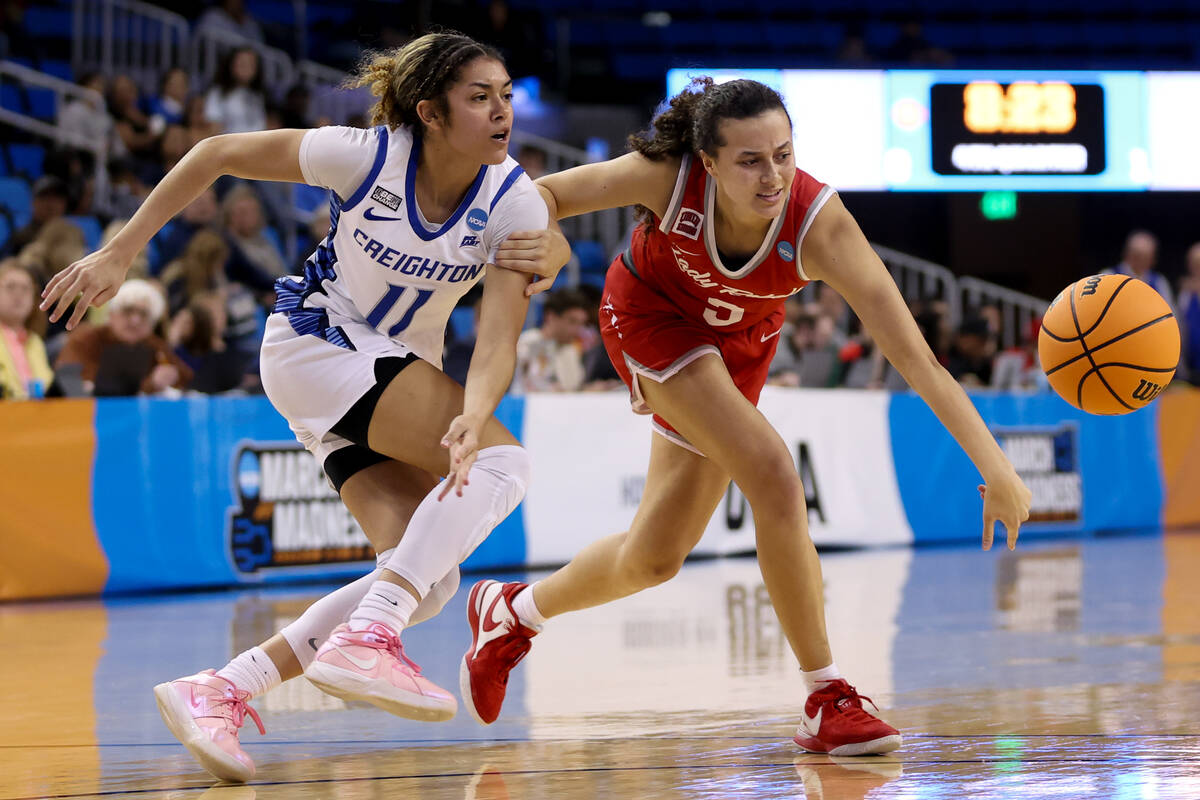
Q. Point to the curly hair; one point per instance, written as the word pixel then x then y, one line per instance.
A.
pixel 691 121
pixel 423 69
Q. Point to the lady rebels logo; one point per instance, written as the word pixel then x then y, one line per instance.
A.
pixel 689 223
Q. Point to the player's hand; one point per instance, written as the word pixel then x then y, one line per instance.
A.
pixel 1005 500
pixel 90 281
pixel 462 440
pixel 540 253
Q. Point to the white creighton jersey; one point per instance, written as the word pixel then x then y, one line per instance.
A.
pixel 382 263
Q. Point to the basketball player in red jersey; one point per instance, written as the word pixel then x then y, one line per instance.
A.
pixel 691 315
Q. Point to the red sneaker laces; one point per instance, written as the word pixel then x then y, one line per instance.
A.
pixel 850 697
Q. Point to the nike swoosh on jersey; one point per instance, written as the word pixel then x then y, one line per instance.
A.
pixel 771 335
pixel 368 214
pixel 358 662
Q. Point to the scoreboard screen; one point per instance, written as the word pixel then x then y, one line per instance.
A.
pixel 976 130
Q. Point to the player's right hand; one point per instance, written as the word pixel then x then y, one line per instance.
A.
pixel 90 281
pixel 1006 500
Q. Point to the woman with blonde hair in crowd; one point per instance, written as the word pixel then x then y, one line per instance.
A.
pixel 57 245
pixel 24 370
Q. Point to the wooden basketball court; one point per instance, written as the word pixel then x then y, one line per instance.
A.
pixel 1067 669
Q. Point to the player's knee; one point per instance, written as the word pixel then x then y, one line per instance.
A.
pixel 513 466
pixel 779 493
pixel 650 570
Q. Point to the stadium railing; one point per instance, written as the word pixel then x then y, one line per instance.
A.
pixel 127 36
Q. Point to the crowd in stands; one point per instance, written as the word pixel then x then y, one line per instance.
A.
pixel 191 317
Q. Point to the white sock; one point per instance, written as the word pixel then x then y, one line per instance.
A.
pixel 442 533
pixel 527 609
pixel 253 671
pixel 385 602
pixel 817 678
pixel 437 598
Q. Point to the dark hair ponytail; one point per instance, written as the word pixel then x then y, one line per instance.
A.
pixel 690 123
pixel 423 69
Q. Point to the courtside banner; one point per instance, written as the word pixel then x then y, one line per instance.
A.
pixel 1086 472
pixel 590 454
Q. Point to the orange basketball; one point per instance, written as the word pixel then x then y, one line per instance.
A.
pixel 1109 344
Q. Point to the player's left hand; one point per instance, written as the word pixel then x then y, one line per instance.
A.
pixel 540 253
pixel 462 440
pixel 1005 500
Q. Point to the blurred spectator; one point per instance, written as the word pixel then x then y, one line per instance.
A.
pixel 197 336
pixel 236 102
pixel 971 356
pixel 550 358
pixel 913 48
pixel 167 108
pixel 59 243
pixel 853 49
pixel 49 203
pixel 456 358
pixel 173 146
pixel 1138 259
pixel 201 270
pixel 516 35
pixel 132 124
pixel 933 320
pixel 128 185
pixel 123 356
pixel 203 212
pixel 231 16
pixel 256 261
pixel 1018 368
pixel 195 124
pixel 833 306
pixel 533 160
pixel 809 356
pixel 24 370
pixel 140 266
pixel 1189 314
pixel 294 111
pixel 89 119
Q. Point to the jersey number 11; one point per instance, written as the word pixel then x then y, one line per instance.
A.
pixel 390 298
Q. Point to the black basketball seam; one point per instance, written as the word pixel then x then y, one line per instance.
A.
pixel 1088 353
pixel 1096 371
pixel 1103 311
pixel 1103 345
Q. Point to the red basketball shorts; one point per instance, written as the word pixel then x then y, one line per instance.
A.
pixel 649 338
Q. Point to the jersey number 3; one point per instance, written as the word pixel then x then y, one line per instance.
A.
pixel 723 313
pixel 389 300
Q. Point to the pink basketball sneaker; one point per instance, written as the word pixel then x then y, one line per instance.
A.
pixel 370 665
pixel 835 722
pixel 498 642
pixel 205 712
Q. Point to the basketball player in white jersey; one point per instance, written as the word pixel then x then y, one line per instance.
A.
pixel 420 206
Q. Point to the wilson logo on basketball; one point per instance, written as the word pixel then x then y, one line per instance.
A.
pixel 1146 391
pixel 1090 286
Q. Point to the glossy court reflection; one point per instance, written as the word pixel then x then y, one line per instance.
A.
pixel 1066 669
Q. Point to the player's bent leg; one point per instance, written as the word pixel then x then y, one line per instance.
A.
pixel 209 722
pixel 682 489
pixel 835 719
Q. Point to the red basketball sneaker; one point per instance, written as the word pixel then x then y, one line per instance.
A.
pixel 498 642
pixel 835 722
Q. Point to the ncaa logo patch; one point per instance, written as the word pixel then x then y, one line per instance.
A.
pixel 786 251
pixel 477 219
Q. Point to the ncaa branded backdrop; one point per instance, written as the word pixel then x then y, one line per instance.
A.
pixel 136 494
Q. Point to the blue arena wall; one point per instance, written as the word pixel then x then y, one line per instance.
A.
pixel 205 492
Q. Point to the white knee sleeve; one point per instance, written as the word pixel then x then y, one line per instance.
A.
pixel 443 533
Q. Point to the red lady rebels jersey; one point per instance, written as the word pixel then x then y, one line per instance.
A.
pixel 679 258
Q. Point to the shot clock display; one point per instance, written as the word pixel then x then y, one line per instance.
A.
pixel 1024 127
pixel 988 130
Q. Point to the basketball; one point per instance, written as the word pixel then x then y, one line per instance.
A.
pixel 1109 344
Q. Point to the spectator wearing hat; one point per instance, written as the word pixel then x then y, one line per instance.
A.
pixel 50 199
pixel 124 356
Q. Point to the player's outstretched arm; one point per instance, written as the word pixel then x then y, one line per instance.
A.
pixel 836 251
pixel 629 180
pixel 94 279
pixel 500 319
